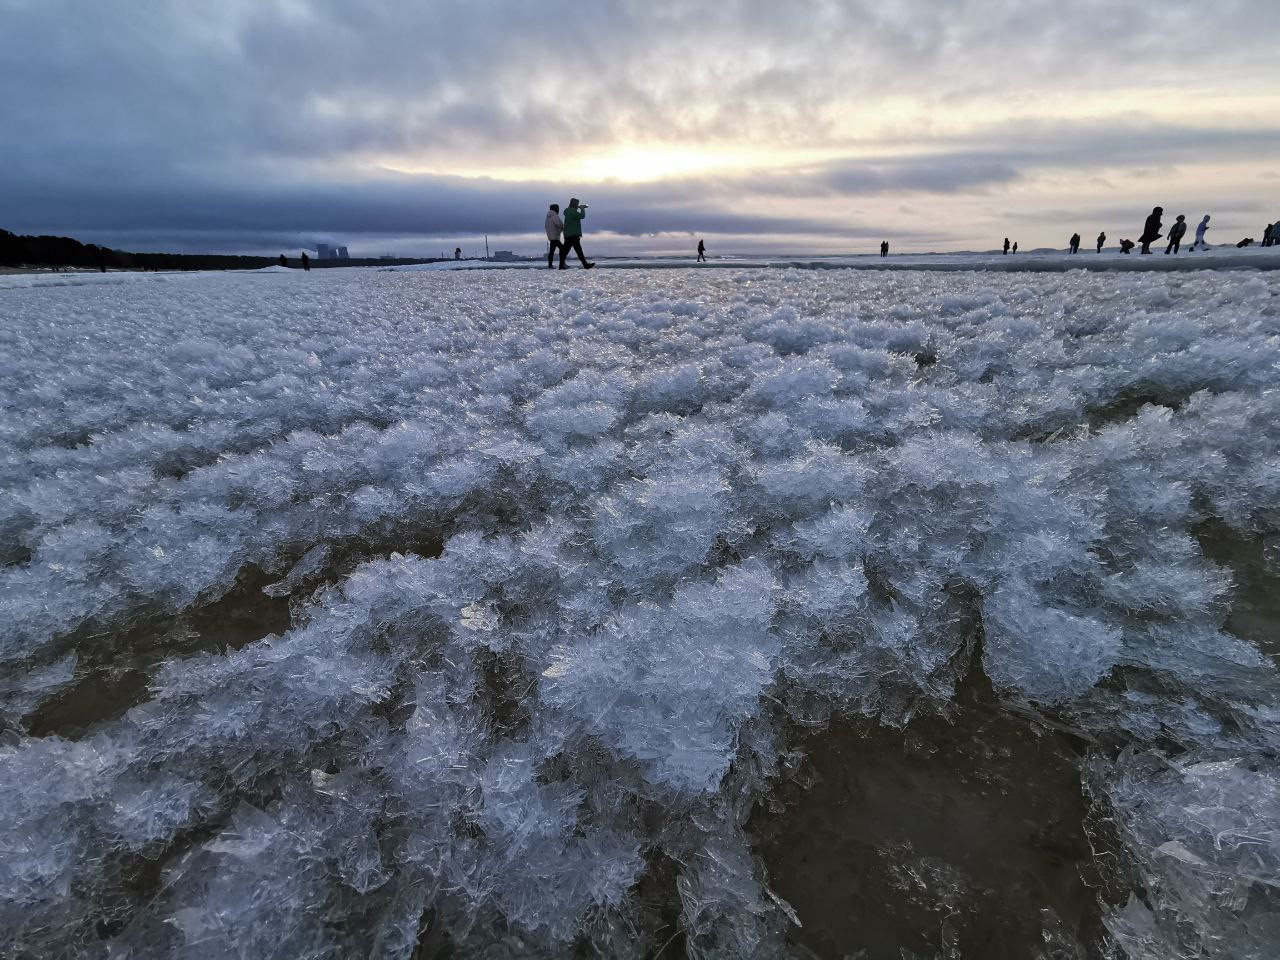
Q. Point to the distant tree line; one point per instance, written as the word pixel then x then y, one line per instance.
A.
pixel 20 251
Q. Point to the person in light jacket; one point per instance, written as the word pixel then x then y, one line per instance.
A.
pixel 555 226
pixel 1201 227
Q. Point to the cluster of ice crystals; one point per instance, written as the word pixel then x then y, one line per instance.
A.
pixel 1205 838
pixel 565 570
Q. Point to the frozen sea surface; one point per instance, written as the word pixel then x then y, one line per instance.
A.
pixel 1224 257
pixel 741 613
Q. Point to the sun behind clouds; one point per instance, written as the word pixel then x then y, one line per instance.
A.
pixel 640 164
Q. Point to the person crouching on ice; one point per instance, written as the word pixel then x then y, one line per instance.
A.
pixel 573 234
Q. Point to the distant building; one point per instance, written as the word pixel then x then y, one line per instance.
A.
pixel 505 255
pixel 324 251
pixel 342 254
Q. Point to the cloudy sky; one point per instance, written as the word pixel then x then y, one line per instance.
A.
pixel 801 126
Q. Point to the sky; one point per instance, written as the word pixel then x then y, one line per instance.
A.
pixel 806 126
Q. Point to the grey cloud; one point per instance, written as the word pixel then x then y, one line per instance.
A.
pixel 252 78
pixel 1094 145
pixel 940 173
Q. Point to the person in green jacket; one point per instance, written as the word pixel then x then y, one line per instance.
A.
pixel 573 215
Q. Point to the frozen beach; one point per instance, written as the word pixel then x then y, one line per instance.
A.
pixel 756 612
pixel 1226 257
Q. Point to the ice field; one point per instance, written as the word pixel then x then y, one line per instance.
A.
pixel 1220 257
pixel 644 613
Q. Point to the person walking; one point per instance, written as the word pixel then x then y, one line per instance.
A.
pixel 702 252
pixel 1151 230
pixel 284 261
pixel 1015 246
pixel 1176 233
pixel 457 253
pixel 1269 235
pixel 555 226
pixel 884 248
pixel 1074 243
pixel 306 262
pixel 573 234
pixel 1201 227
pixel 1126 246
pixel 1006 246
pixel 1102 238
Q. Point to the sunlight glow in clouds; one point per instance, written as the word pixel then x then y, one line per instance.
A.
pixel 623 163
pixel 641 164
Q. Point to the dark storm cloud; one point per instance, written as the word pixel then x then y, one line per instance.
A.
pixel 431 206
pixel 268 117
pixel 855 177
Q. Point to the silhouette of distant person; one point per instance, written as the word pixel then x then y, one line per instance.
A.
pixel 1201 227
pixel 1176 233
pixel 284 261
pixel 1269 235
pixel 457 253
pixel 702 252
pixel 884 248
pixel 1151 230
pixel 1074 243
pixel 1015 246
pixel 573 234
pixel 555 226
pixel 1006 246
pixel 306 261
pixel 1126 246
pixel 1102 238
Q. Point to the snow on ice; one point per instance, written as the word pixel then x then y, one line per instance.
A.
pixel 356 613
